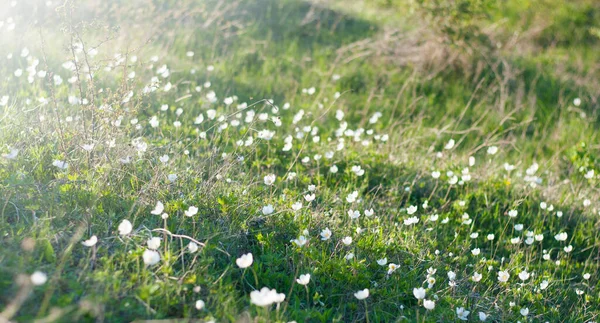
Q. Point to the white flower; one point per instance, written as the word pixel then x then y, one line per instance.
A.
pixel 524 311
pixel 411 210
pixel 60 164
pixel 544 284
pixel 297 206
pixel 490 236
pixel 309 197
pixel 482 316
pixel 350 198
pixel 362 294
pixel 192 247
pixel 586 276
pixel 411 220
pixel 392 268
pixel 266 297
pixel 151 257
pixel 561 236
pixel 38 278
pixel 513 213
pixel 158 209
pixel 419 293
pixel 576 102
pixel 369 212
pixel 300 242
pixel 476 277
pixel 492 150
pixel 450 144
pixel 524 275
pixel 429 305
pixel 503 276
pixel 325 234
pixel 382 261
pixel 164 159
pixel 154 122
pixel 270 179
pixel 303 279
pixel 568 248
pixel 191 211
pixel 475 251
pixel 199 304
pixel 172 177
pixel 245 261
pixel 153 243
pixel 347 240
pixel 354 214
pixel 268 209
pixel 462 313
pixel 435 174
pixel 90 242
pixel 125 227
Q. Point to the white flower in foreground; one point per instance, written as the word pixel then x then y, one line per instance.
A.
pixel 192 247
pixel 303 279
pixel 38 278
pixel 503 276
pixel 200 304
pixel 462 313
pixel 586 276
pixel 382 261
pixel 544 284
pixel 524 311
pixel 266 297
pixel 158 209
pixel 151 257
pixel 90 242
pixel 191 211
pixel 125 227
pixel 429 305
pixel 245 261
pixel 60 164
pixel 476 277
pixel 270 179
pixel 153 243
pixel 513 213
pixel 419 293
pixel 435 174
pixel 325 234
pixel 362 294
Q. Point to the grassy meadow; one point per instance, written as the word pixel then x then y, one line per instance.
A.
pixel 307 161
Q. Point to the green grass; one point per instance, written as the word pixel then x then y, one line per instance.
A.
pixel 517 98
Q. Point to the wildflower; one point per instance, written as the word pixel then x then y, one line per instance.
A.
pixel 303 279
pixel 297 206
pixel 392 268
pixel 475 251
pixel 153 243
pixel 490 236
pixel 419 293
pixel 369 212
pixel 382 261
pixel 60 164
pixel 270 179
pixel 513 213
pixel 38 278
pixel 503 276
pixel 362 294
pixel 476 277
pixel 492 150
pixel 544 284
pixel 482 316
pixel 90 242
pixel 125 227
pixel 561 236
pixel 309 197
pixel 245 261
pixel 192 247
pixel 524 275
pixel 411 210
pixel 150 257
pixel 411 220
pixel 462 313
pixel 325 234
pixel 586 276
pixel 300 242
pixel 347 240
pixel 524 311
pixel 158 209
pixel 191 211
pixel 353 214
pixel 429 305
pixel 450 144
pixel 268 209
pixel 266 297
pixel 199 304
pixel 12 154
